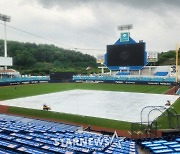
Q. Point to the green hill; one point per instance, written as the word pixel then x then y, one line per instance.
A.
pixel 40 59
pixel 166 58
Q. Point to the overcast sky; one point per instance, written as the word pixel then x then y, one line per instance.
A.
pixel 92 24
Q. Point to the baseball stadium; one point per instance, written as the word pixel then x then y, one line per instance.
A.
pixel 132 108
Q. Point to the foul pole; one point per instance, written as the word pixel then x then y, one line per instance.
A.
pixel 177 50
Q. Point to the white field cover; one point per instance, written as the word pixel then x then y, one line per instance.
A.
pixel 125 106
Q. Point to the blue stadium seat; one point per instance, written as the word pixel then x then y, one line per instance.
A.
pixel 30 150
pixel 132 79
pixel 144 79
pixel 162 146
pixel 28 142
pixel 122 73
pixel 24 79
pixel 161 151
pixel 157 79
pixel 161 74
pixel 177 149
pixel 5 151
pixel 8 145
pixel 121 78
pixel 24 135
pixel 55 149
pixel 170 79
pixel 101 78
pixel 111 78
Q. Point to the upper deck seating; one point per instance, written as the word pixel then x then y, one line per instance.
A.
pixel 161 74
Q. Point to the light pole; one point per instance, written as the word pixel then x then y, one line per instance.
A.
pixel 124 36
pixel 177 50
pixel 125 27
pixel 5 18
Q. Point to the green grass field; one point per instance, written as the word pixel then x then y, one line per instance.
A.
pixel 71 118
pixel 163 121
pixel 37 89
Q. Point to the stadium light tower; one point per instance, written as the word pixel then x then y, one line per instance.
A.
pixel 5 18
pixel 125 27
pixel 124 36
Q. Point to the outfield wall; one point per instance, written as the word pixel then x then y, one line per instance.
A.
pixel 129 82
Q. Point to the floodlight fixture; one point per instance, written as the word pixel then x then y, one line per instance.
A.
pixel 125 27
pixel 5 18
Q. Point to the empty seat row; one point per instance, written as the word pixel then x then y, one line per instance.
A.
pixel 124 78
pixel 24 79
pixel 160 73
pixel 23 135
pixel 162 146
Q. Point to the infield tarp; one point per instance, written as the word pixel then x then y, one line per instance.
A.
pixel 125 106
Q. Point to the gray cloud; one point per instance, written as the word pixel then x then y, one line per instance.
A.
pixel 139 4
pixel 65 4
pixel 93 23
pixel 146 4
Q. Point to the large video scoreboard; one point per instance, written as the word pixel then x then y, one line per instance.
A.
pixel 126 54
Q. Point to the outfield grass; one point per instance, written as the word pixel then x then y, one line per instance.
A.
pixel 71 118
pixel 163 120
pixel 37 89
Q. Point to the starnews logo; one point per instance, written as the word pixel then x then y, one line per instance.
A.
pixel 90 141
pixel 99 142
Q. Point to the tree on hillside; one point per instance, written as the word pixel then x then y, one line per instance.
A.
pixel 37 58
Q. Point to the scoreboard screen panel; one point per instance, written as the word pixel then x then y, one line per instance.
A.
pixel 126 55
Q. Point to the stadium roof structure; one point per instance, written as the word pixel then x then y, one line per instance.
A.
pixel 131 41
